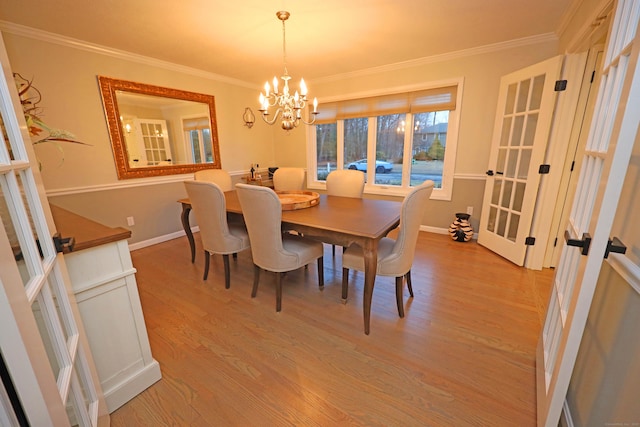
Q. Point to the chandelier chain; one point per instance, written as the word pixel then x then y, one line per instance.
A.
pixel 284 47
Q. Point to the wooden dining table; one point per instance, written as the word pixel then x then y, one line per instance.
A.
pixel 335 220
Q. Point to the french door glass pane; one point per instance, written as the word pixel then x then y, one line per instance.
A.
pixel 5 137
pixel 530 131
pixel 523 96
pixel 506 131
pixel 517 131
pixel 429 142
pixel 326 149
pixel 513 227
pixel 491 224
pixel 536 92
pixel 11 213
pixel 511 98
pixel 497 189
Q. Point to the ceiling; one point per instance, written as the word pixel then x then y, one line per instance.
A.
pixel 325 38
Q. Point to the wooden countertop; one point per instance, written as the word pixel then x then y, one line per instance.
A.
pixel 87 233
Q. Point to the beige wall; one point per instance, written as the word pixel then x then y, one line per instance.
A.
pixel 86 181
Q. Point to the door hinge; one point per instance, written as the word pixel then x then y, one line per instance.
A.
pixel 593 76
pixel 560 85
pixel 555 242
pixel 530 241
pixel 544 169
pixel 573 164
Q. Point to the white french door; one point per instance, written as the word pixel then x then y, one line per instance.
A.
pixel 155 148
pixel 42 343
pixel 614 129
pixel 523 122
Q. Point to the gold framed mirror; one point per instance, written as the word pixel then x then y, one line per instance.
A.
pixel 159 131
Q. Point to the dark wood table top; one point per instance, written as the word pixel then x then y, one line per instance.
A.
pixel 367 218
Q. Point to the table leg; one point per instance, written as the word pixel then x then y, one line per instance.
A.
pixel 370 266
pixel 186 209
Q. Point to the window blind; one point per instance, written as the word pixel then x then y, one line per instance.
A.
pixel 436 99
pixel 196 123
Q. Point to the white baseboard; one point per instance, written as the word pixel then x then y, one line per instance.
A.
pixel 134 385
pixel 160 239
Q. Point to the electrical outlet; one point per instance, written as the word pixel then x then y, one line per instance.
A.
pixel 470 210
pixel 130 221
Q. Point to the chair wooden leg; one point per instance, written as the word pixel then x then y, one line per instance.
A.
pixel 207 258
pixel 345 283
pixel 399 298
pixel 408 276
pixel 321 272
pixel 278 292
pixel 227 273
pixel 235 255
pixel 256 279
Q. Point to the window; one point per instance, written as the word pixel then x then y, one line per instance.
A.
pixel 198 137
pixel 398 140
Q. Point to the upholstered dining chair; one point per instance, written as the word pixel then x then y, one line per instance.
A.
pixel 395 257
pixel 217 176
pixel 288 179
pixel 217 235
pixel 271 249
pixel 345 183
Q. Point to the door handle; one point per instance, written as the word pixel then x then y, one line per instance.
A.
pixel 583 243
pixel 616 246
pixel 489 172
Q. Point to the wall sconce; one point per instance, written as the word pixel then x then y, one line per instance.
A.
pixel 248 117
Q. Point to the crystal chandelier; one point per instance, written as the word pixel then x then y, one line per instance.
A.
pixel 288 107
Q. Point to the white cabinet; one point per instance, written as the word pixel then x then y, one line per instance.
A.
pixel 104 284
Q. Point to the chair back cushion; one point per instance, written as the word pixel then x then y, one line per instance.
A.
pixel 262 211
pixel 209 207
pixel 345 183
pixel 399 261
pixel 217 176
pixel 288 179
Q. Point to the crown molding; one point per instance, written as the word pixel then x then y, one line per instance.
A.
pixel 32 33
pixel 45 36
pixel 449 56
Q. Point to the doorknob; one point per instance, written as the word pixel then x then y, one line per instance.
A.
pixel 490 172
pixel 583 243
pixel 616 246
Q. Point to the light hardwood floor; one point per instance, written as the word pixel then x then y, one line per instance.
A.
pixel 464 355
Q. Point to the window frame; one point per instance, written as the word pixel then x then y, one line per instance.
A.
pixel 444 193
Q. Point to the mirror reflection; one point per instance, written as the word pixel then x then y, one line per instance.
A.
pixel 159 131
